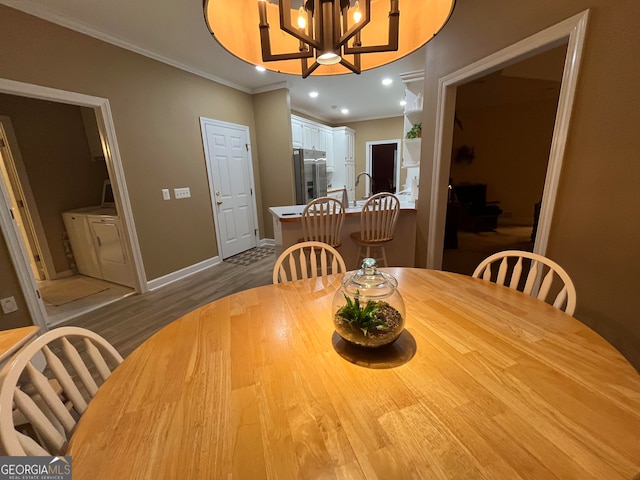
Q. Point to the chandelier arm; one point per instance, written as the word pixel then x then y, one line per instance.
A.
pixel 306 71
pixel 267 56
pixel 366 18
pixel 394 28
pixel 354 67
pixel 285 24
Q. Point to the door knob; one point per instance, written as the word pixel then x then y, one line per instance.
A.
pixel 219 202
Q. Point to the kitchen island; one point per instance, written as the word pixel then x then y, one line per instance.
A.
pixel 287 229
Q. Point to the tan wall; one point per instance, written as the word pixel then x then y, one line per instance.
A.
pixel 62 175
pixel 511 144
pixel 156 110
pixel 595 233
pixel 9 287
pixel 273 126
pixel 369 131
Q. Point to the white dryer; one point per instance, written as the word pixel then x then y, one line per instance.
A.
pixel 97 241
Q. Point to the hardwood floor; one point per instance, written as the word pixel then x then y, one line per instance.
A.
pixel 475 247
pixel 130 321
pixel 64 312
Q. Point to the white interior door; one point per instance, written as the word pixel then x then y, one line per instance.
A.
pixel 231 185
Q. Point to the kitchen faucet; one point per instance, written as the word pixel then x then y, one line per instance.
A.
pixel 370 185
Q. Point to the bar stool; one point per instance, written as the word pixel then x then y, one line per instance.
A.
pixel 377 224
pixel 322 221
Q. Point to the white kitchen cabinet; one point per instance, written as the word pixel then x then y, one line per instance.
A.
pixel 325 140
pixel 310 136
pixel 328 133
pixel 297 136
pixel 344 160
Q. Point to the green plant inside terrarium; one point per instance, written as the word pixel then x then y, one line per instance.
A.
pixel 365 317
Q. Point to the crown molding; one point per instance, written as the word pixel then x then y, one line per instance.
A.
pixel 269 88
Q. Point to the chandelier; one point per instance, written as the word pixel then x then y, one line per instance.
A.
pixel 324 37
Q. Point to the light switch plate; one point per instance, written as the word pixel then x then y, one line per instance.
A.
pixel 8 305
pixel 182 192
pixel 166 194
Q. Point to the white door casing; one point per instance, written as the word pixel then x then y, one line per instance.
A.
pixel 572 29
pixel 231 185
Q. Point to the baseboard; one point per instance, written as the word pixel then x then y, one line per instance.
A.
pixel 198 267
pixel 183 273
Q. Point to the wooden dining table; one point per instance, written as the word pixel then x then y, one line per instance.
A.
pixel 485 382
pixel 14 339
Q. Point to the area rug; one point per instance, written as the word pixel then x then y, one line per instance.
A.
pixel 66 290
pixel 251 256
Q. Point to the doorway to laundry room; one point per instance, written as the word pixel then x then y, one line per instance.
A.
pixel 55 176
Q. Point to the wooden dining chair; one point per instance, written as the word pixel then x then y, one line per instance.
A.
pixel 322 220
pixel 307 260
pixel 543 276
pixel 377 224
pixel 77 360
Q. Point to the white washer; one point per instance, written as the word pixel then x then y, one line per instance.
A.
pixel 97 240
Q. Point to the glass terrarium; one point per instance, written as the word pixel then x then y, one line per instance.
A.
pixel 367 309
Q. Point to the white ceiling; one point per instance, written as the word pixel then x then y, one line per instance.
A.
pixel 174 31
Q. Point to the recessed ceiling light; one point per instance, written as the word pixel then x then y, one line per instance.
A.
pixel 403 102
pixel 387 81
pixel 345 110
pixel 260 68
pixel 313 94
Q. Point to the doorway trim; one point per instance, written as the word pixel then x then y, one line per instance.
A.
pixel 369 158
pixel 573 29
pixel 204 121
pixel 17 174
pixel 106 128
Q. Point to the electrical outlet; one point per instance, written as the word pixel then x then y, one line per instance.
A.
pixel 182 192
pixel 165 194
pixel 8 305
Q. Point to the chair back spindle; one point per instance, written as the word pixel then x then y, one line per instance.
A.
pixel 544 277
pixel 307 260
pixel 51 403
pixel 322 220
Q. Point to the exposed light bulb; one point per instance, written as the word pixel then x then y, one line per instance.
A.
pixel 345 111
pixel 386 82
pixel 260 68
pixel 302 22
pixel 403 103
pixel 313 94
pixel 357 15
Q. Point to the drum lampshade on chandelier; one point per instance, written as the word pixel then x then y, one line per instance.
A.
pixel 324 37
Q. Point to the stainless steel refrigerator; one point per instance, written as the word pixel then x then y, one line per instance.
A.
pixel 310 167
